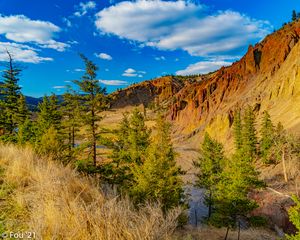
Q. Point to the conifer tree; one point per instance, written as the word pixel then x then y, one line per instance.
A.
pixel 133 138
pixel 237 130
pixel 267 138
pixel 10 94
pixel 249 147
pixel 93 101
pixel 294 216
pixel 23 113
pixel 231 200
pixel 158 178
pixel 210 168
pixel 294 15
pixel 71 119
pixel 48 135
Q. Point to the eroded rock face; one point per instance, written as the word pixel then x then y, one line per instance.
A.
pixel 226 89
pixel 160 89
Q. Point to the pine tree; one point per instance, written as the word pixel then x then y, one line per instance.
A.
pixel 210 168
pixel 49 114
pixel 71 120
pixel 93 101
pixel 48 135
pixel 294 15
pixel 249 147
pixel 267 138
pixel 237 130
pixel 158 178
pixel 231 200
pixel 23 113
pixel 133 138
pixel 10 94
pixel 294 216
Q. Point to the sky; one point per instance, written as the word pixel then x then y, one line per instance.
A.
pixel 130 41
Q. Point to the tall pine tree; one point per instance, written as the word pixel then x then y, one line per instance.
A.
pixel 93 102
pixel 10 95
pixel 210 168
pixel 249 138
pixel 267 133
pixel 158 177
pixel 132 140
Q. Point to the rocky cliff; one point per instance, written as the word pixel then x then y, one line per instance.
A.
pixel 267 78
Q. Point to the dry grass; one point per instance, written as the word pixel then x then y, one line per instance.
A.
pixel 57 203
pixel 210 233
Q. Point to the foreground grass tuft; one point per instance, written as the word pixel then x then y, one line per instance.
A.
pixel 56 202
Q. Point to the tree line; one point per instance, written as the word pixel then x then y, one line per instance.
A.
pixel 229 180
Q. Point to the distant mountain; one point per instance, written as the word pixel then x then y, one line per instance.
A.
pixel 33 102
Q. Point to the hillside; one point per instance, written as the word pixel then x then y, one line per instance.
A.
pixel 267 78
pixel 41 196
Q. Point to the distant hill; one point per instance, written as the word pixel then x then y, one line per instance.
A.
pixel 33 102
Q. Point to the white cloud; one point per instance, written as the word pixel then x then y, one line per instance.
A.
pixel 21 29
pixel 170 25
pixel 79 70
pixel 67 22
pixel 130 72
pixel 59 87
pixel 114 82
pixel 104 56
pixel 21 53
pixel 161 58
pixel 83 8
pixel 203 67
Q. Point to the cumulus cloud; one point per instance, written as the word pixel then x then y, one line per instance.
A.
pixel 83 8
pixel 170 25
pixel 21 53
pixel 104 56
pixel 21 29
pixel 114 82
pixel 130 72
pixel 203 67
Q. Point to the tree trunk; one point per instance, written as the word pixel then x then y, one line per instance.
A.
pixel 73 137
pixel 94 139
pixel 284 166
pixel 209 205
pixel 226 233
pixel 239 230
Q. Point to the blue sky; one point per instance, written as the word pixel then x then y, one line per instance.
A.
pixel 130 41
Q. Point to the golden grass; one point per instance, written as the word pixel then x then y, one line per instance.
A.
pixel 210 233
pixel 56 202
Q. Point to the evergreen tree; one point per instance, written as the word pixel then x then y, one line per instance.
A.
pixel 10 94
pixel 48 135
pixel 294 15
pixel 294 216
pixel 249 147
pixel 231 200
pixel 129 148
pixel 210 168
pixel 237 130
pixel 267 138
pixel 93 101
pixel 71 120
pixel 23 113
pixel 158 177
